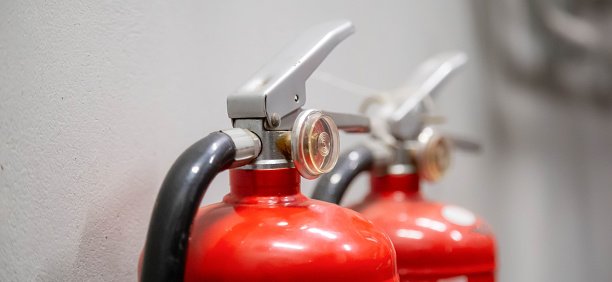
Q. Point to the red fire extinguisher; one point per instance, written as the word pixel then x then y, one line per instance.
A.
pixel 434 241
pixel 265 229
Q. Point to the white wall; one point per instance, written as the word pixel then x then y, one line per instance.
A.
pixel 98 99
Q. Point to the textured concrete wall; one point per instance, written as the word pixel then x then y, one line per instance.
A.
pixel 98 98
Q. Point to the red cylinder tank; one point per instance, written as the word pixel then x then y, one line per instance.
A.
pixel 266 230
pixel 434 241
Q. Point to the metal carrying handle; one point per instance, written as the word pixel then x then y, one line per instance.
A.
pixel 269 104
pixel 277 91
pixel 429 76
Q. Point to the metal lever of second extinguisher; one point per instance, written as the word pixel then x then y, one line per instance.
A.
pixel 403 121
pixel 278 88
pixel 427 78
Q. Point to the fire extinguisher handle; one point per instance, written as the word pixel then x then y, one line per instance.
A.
pixel 404 121
pixel 332 186
pixel 165 249
pixel 279 88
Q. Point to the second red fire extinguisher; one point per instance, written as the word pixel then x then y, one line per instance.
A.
pixel 434 241
pixel 265 229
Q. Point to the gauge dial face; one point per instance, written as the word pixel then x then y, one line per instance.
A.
pixel 314 142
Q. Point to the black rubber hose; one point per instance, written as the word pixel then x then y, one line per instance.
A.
pixel 332 185
pixel 178 200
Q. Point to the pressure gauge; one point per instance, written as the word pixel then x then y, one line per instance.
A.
pixel 314 143
pixel 433 155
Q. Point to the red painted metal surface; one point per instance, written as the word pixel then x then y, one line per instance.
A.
pixel 433 240
pixel 266 230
